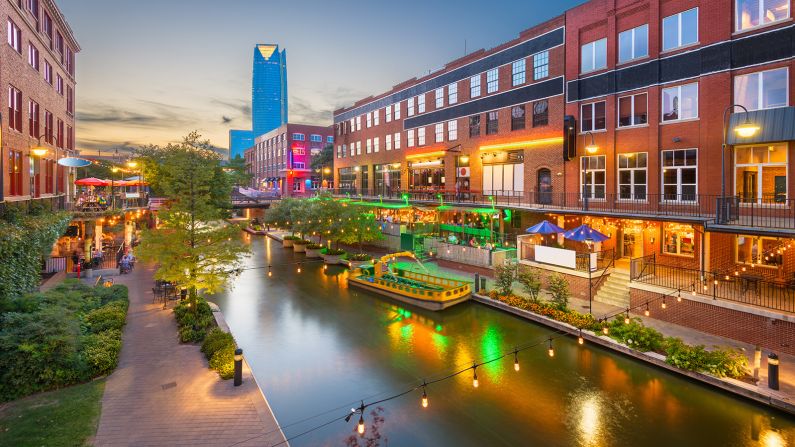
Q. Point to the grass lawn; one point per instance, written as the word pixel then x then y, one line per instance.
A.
pixel 65 417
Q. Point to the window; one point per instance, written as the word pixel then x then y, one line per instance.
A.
pixel 397 111
pixel 492 80
pixel 439 96
pixel 593 116
pixel 397 140
pixel 359 122
pixel 33 56
pixel 452 130
pixel 15 173
pixel 541 65
pixel 540 113
pixel 369 145
pixel 517 117
pixel 369 120
pixel 47 72
pixel 70 101
pixel 70 138
pixel 632 176
pixel 58 84
pixel 14 36
pixel 592 176
pixel 762 90
pixel 329 139
pixel 410 107
pixel 316 138
pixel 353 149
pixel 376 118
pixel 474 126
pixel 60 135
pixel 47 27
pixel 452 93
pixel 518 72
pixel 388 143
pixel 298 137
pixel 680 102
pixel 758 250
pixel 410 137
pixel 680 29
pixel 633 44
pixel 505 178
pixel 49 131
pixel 14 109
pixel 761 173
pixel 680 174
pixel 358 148
pixel 594 56
pixel 474 86
pixel 421 136
pixel 421 103
pixel 376 144
pixel 33 118
pixel 492 123
pixel 678 239
pixel 388 113
pixel 439 133
pixel 753 13
pixel 632 110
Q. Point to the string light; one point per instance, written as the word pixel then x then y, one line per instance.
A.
pixel 580 340
pixel 270 273
pixel 663 305
pixel 424 397
pixel 605 330
pixel 646 312
pixel 360 427
pixel 551 350
pixel 626 317
pixel 475 375
pixel 516 360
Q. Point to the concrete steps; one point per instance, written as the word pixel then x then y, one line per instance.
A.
pixel 614 289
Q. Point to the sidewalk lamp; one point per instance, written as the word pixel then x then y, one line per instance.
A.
pixel 745 130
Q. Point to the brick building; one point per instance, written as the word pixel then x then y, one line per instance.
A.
pixel 37 74
pixel 281 159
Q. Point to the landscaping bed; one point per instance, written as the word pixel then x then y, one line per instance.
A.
pixel 200 326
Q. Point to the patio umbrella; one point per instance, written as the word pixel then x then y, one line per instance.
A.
pixel 545 227
pixel 91 181
pixel 584 233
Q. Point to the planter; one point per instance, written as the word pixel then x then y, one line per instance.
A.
pixel 298 247
pixel 332 259
pixel 287 243
pixel 357 264
pixel 313 252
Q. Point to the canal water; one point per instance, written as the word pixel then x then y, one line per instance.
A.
pixel 317 348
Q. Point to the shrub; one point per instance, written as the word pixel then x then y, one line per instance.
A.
pixel 215 340
pixel 559 288
pixel 314 246
pixel 574 318
pixel 110 316
pixel 530 281
pixel 193 325
pixel 101 351
pixel 291 238
pixel 721 362
pixel 333 251
pixel 504 274
pixel 636 335
pixel 360 257
pixel 301 242
pixel 223 361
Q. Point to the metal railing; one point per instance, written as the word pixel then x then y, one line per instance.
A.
pixel 54 264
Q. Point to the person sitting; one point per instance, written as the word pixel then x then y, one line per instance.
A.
pixel 452 239
pixel 473 242
pixel 102 202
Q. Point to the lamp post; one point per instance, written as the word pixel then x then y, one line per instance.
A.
pixel 589 243
pixel 326 170
pixel 745 130
pixel 113 171
pixel 590 148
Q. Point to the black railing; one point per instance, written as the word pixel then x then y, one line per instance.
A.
pixel 769 211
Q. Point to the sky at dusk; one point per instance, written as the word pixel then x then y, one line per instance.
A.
pixel 150 71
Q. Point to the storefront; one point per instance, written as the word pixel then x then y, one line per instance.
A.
pixel 426 175
pixel 503 173
pixel 347 180
pixel 387 178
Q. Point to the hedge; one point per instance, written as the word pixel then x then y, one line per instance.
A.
pixel 219 348
pixel 193 326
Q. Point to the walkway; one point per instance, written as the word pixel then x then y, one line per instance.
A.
pixel 163 394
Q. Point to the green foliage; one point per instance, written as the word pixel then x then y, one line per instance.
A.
pixel 504 275
pixel 559 289
pixel 720 362
pixel 568 316
pixel 236 170
pixel 333 251
pixel 636 335
pixel 358 227
pixel 282 212
pixel 324 159
pixel 219 348
pixel 48 340
pixel 530 280
pixel 23 242
pixel 314 246
pixel 215 340
pixel 360 257
pixel 193 325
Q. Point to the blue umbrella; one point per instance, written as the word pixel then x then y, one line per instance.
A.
pixel 545 227
pixel 584 233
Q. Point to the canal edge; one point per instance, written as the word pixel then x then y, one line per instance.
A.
pixel 267 411
pixel 731 386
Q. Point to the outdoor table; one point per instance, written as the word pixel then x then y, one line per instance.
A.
pixel 751 279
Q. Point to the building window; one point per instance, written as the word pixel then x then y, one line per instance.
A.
pixel 761 173
pixel 452 130
pixel 439 133
pixel 388 143
pixel 397 111
pixel 680 29
pixel 388 113
pixel 593 56
pixel 474 126
pixel 452 93
pixel 49 127
pixel 33 56
pixel 298 137
pixel 15 173
pixel 593 116
pixel 633 43
pixel 592 176
pixel 680 172
pixel 47 72
pixel 376 144
pixel 359 122
pixel 353 149
pixel 518 72
pixel 753 13
pixel 14 109
pixel 358 148
pixel 632 110
pixel 758 250
pixel 14 36
pixel 492 80
pixel 60 136
pixel 540 113
pixel 762 90
pixel 410 107
pixel 680 102
pixel 421 103
pixel 504 177
pixel 33 118
pixel 369 145
pixel 421 136
pixel 397 140
pixel 439 96
pixel 410 137
pixel 329 139
pixel 474 86
pixel 679 239
pixel 492 123
pixel 59 83
pixel 316 138
pixel 632 176
pixel 541 65
pixel 517 117
pixel 376 118
pixel 369 120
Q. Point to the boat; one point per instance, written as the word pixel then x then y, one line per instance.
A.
pixel 419 289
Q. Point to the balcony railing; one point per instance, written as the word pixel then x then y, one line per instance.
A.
pixel 604 258
pixel 746 287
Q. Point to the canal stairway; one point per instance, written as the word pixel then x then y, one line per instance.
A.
pixel 614 289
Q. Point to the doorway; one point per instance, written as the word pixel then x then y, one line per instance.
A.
pixel 631 243
pixel 544 186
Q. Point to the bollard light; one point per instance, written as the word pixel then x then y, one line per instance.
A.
pixel 238 367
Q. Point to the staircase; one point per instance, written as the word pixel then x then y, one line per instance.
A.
pixel 615 289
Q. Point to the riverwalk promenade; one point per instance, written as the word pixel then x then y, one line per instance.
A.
pixel 163 394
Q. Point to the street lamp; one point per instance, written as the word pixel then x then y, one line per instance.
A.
pixel 113 170
pixel 590 148
pixel 744 130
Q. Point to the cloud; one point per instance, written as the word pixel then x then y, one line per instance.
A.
pixel 303 112
pixel 241 106
pixel 141 113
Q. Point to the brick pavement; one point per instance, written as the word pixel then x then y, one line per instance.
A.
pixel 163 394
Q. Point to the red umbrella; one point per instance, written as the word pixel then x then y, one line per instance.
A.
pixel 91 181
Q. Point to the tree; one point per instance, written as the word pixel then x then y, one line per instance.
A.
pixel 504 275
pixel 324 159
pixel 559 288
pixel 358 227
pixel 195 249
pixel 236 170
pixel 284 214
pixel 530 281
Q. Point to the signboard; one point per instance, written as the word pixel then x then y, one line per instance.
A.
pixel 463 171
pixel 556 256
pixel 132 195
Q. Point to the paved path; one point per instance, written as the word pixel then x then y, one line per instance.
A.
pixel 162 393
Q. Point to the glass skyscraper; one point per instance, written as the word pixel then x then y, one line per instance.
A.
pixel 268 97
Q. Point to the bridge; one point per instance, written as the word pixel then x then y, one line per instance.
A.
pixel 241 200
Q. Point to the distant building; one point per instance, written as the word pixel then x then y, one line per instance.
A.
pixel 281 159
pixel 268 97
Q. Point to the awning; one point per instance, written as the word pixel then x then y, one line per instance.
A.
pixel 774 125
pixel 91 181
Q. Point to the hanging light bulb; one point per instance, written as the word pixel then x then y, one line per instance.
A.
pixel 360 427
pixel 475 376
pixel 605 330
pixel 646 312
pixel 516 361
pixel 424 398
pixel 551 350
pixel 663 305
pixel 580 340
pixel 626 317
pixel 270 273
pixel 299 268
